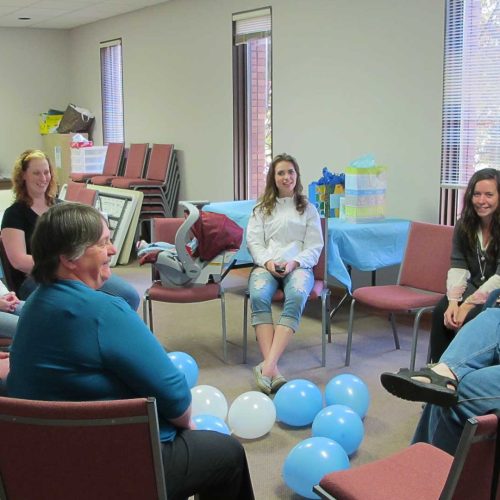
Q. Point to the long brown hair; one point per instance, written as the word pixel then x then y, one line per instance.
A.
pixel 470 221
pixel 19 185
pixel 267 201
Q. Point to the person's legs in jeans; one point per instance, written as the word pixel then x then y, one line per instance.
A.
pixel 478 394
pixel 207 463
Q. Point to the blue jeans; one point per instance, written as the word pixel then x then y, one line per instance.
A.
pixel 296 286
pixel 474 357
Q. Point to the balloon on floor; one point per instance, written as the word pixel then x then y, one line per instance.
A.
pixel 187 365
pixel 211 423
pixel 298 402
pixel 342 424
pixel 348 389
pixel 251 415
pixel 208 400
pixel 309 461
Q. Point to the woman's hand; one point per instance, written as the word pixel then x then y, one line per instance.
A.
pixel 9 302
pixel 275 268
pixel 455 315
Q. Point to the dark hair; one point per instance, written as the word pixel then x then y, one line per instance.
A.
pixel 19 185
pixel 267 201
pixel 470 221
pixel 66 229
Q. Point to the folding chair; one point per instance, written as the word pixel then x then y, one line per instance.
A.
pixel 112 163
pixel 80 450
pixel 79 193
pixel 134 166
pixel 421 283
pixel 424 472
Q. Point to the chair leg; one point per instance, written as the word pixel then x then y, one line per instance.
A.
pixel 224 332
pixel 349 334
pixel 394 330
pixel 414 341
pixel 150 308
pixel 245 328
pixel 325 323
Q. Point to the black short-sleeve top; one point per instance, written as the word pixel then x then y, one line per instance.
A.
pixel 21 216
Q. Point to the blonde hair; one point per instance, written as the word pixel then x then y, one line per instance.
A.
pixel 19 185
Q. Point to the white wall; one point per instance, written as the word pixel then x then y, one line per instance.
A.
pixel 33 78
pixel 349 77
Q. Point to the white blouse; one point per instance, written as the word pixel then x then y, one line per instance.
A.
pixel 285 234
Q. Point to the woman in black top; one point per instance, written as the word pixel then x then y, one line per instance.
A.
pixel 475 265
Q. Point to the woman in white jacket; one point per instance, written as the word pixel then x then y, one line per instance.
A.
pixel 285 240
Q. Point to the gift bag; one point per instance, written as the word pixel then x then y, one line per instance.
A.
pixel 331 185
pixel 76 119
pixel 365 187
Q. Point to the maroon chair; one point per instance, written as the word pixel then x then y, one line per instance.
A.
pixel 79 193
pixel 421 282
pixel 80 450
pixel 112 163
pixel 134 166
pixel 165 230
pixel 424 472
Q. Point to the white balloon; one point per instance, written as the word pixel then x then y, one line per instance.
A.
pixel 208 400
pixel 251 415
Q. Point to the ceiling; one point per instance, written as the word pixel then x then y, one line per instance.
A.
pixel 64 14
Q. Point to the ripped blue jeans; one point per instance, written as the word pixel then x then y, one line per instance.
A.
pixel 262 286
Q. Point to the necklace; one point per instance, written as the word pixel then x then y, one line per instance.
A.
pixel 481 260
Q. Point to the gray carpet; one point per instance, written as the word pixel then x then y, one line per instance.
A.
pixel 196 329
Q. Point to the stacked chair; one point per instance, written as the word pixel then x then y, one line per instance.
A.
pixel 112 163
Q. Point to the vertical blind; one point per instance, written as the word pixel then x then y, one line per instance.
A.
pixel 471 94
pixel 112 92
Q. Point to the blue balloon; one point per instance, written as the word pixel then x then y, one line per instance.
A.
pixel 309 461
pixel 211 423
pixel 342 424
pixel 187 365
pixel 349 390
pixel 298 402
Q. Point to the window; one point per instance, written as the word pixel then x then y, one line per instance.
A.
pixel 471 95
pixel 112 92
pixel 252 91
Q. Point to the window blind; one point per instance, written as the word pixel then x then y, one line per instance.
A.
pixel 112 91
pixel 251 25
pixel 471 93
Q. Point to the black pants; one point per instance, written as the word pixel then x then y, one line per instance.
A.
pixel 206 463
pixel 441 336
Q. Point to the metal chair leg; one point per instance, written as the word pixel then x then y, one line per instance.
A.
pixel 224 332
pixel 414 340
pixel 349 334
pixel 245 329
pixel 325 323
pixel 394 330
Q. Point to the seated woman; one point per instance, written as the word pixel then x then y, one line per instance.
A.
pixel 285 240
pixel 475 260
pixel 10 308
pixel 35 187
pixel 464 384
pixel 60 354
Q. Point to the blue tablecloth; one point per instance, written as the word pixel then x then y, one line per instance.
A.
pixel 364 246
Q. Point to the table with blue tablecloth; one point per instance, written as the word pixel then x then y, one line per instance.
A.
pixel 365 246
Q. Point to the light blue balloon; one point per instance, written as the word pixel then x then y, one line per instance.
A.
pixel 349 390
pixel 309 461
pixel 342 424
pixel 187 365
pixel 211 423
pixel 298 402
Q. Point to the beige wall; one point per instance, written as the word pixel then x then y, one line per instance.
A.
pixel 34 76
pixel 350 77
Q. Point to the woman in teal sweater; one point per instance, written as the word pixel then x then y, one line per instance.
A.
pixel 76 344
